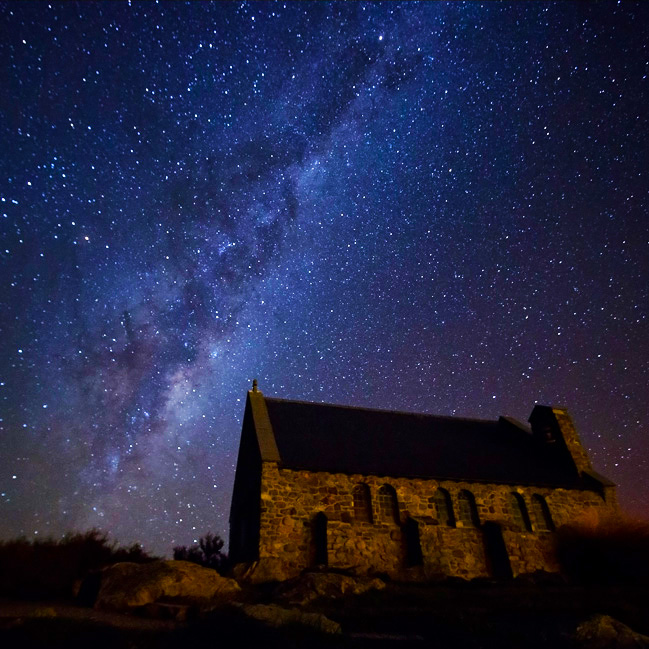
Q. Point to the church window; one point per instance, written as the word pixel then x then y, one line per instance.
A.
pixel 519 511
pixel 443 507
pixel 541 514
pixel 388 505
pixel 467 512
pixel 362 503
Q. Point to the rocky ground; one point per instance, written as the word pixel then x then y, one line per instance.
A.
pixel 325 610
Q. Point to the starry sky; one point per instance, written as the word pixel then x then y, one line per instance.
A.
pixel 432 207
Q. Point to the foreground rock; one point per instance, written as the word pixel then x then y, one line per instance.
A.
pixel 313 585
pixel 605 632
pixel 128 585
pixel 277 616
pixel 262 571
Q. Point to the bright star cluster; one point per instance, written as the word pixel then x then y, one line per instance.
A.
pixel 436 207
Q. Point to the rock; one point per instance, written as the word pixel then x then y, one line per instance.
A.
pixel 263 571
pixel 176 612
pixel 311 585
pixel 540 578
pixel 605 632
pixel 44 611
pixel 277 616
pixel 88 588
pixel 128 585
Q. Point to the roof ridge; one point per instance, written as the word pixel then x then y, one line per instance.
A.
pixel 382 410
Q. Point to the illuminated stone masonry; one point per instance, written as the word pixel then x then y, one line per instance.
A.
pixel 293 510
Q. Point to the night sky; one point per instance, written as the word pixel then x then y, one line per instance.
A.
pixel 436 207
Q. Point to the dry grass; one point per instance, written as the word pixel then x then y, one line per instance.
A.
pixel 50 567
pixel 605 550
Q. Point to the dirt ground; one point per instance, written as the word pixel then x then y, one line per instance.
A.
pixel 12 611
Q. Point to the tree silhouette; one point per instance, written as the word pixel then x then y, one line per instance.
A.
pixel 207 553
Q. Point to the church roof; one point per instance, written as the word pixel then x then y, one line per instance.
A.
pixel 342 439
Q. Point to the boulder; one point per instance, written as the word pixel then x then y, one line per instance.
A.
pixel 277 616
pixel 540 578
pixel 176 612
pixel 265 570
pixel 129 585
pixel 87 589
pixel 330 585
pixel 605 632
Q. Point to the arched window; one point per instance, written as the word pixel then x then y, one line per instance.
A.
pixel 519 511
pixel 320 539
pixel 541 514
pixel 467 512
pixel 362 503
pixel 388 506
pixel 443 507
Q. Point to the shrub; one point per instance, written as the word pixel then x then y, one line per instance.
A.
pixel 50 567
pixel 207 553
pixel 611 550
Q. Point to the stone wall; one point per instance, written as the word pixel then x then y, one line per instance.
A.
pixel 290 501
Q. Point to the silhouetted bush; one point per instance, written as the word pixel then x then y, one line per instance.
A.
pixel 207 553
pixel 52 568
pixel 612 550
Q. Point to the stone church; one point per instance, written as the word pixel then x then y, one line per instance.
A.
pixel 413 496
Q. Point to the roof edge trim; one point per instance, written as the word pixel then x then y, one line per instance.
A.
pixel 384 410
pixel 263 428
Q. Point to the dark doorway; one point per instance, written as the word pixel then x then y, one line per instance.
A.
pixel 414 556
pixel 320 539
pixel 496 551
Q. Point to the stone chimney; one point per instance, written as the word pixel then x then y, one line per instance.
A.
pixel 553 426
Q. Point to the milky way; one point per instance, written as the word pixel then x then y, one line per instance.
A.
pixel 429 207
